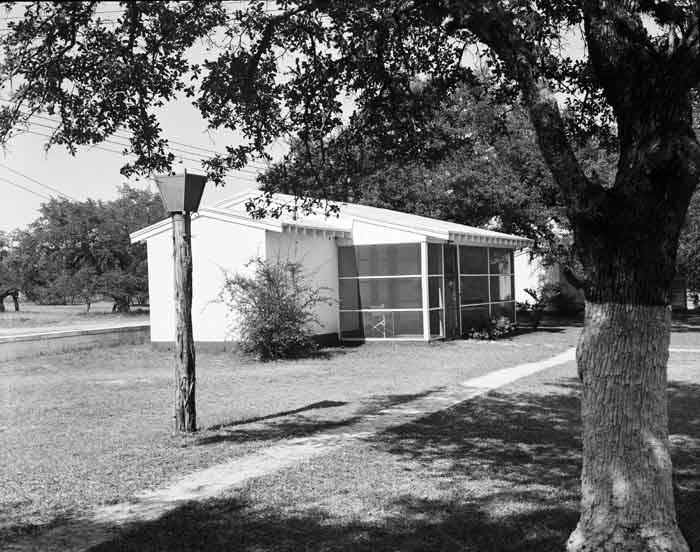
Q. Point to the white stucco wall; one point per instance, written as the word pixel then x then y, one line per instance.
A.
pixel 217 247
pixel 318 254
pixel 161 286
pixel 364 233
pixel 528 275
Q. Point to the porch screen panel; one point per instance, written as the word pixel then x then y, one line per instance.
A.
pixel 380 291
pixel 436 289
pixel 486 285
pixel 379 260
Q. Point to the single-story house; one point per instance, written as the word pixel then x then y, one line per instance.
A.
pixel 390 275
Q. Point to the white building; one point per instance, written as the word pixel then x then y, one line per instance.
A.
pixel 390 275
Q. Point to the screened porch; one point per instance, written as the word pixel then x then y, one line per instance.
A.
pixel 422 291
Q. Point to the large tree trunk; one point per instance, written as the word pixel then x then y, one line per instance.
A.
pixel 2 303
pixel 15 300
pixel 627 239
pixel 627 495
pixel 185 412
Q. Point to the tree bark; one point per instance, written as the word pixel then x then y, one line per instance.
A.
pixel 185 411
pixel 627 494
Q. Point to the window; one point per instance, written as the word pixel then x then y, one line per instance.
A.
pixel 450 259
pixel 473 260
pixel 379 260
pixel 503 310
pixel 475 289
pixel 381 324
pixel 486 285
pixel 501 288
pixel 380 291
pixel 435 258
pixel 436 324
pixel 435 292
pixel 500 261
pixel 475 317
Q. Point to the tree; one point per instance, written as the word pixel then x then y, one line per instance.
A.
pixel 631 88
pixel 10 272
pixel 483 167
pixel 689 246
pixel 80 249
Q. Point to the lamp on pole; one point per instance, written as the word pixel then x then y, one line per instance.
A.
pixel 181 195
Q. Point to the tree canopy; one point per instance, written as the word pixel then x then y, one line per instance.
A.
pixel 81 249
pixel 290 69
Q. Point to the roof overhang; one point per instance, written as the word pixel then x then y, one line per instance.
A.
pixel 213 213
pixel 421 231
pixel 504 240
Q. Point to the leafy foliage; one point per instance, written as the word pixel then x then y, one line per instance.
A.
pixel 274 309
pixel 495 329
pixel 480 166
pixel 10 270
pixel 77 250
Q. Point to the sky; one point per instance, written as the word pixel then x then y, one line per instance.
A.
pixel 94 173
pixel 26 168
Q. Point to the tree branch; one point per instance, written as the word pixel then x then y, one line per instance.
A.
pixel 495 28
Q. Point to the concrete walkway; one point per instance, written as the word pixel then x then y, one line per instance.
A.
pixel 210 482
pixel 87 326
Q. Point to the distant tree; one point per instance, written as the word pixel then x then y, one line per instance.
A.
pixel 10 271
pixel 79 249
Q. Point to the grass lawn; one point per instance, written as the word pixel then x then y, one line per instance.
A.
pixel 93 427
pixel 499 473
pixel 31 315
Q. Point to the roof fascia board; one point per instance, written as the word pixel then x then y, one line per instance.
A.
pixel 404 228
pixel 235 199
pixel 239 218
pixel 149 231
pixel 513 242
pixel 166 224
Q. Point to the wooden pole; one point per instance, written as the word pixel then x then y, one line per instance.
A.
pixel 185 412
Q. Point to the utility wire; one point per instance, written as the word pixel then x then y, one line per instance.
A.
pixel 124 136
pixel 13 183
pixel 35 181
pixel 179 153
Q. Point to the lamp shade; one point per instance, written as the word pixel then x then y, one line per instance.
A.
pixel 181 192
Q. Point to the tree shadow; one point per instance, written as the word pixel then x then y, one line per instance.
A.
pixel 514 460
pixel 312 406
pixel 298 427
pixel 520 438
pixel 294 425
pixel 422 525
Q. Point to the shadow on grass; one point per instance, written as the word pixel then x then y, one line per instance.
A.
pixel 299 426
pixel 423 525
pixel 506 472
pixel 312 406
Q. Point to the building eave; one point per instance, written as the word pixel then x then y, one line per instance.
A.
pixel 213 213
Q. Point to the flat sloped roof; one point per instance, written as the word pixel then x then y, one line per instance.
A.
pixel 233 210
pixel 352 211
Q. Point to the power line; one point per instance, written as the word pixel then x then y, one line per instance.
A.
pixel 35 181
pixel 13 183
pixel 176 151
pixel 125 136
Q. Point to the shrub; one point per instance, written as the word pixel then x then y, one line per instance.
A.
pixel 275 309
pixel 547 295
pixel 496 329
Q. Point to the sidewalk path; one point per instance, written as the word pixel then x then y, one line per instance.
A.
pixel 210 482
pixel 57 329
